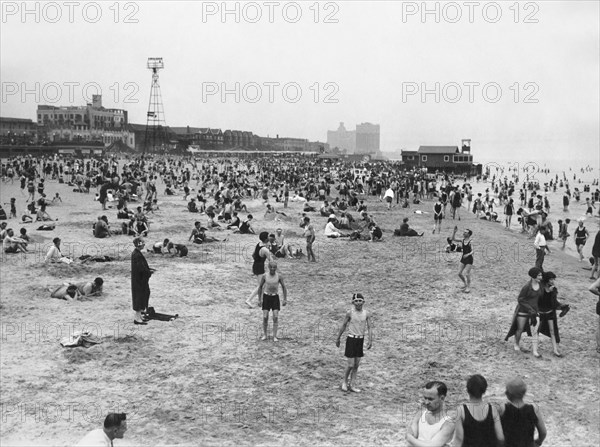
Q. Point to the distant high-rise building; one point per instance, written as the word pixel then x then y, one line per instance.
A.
pixel 367 138
pixel 342 139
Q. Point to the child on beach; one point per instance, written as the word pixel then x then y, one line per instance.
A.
pixel 520 420
pixel 358 322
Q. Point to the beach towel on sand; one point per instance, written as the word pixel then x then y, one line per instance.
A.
pixel 85 339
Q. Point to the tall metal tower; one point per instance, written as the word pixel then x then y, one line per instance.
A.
pixel 156 137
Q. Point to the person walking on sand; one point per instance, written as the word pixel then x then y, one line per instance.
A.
pixel 581 237
pixel 525 317
pixel 261 255
pixel 438 215
pixel 541 247
pixel 466 260
pixel 268 298
pixel 358 321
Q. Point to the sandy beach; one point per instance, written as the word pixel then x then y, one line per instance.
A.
pixel 207 379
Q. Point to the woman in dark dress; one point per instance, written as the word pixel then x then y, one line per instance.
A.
pixel 525 317
pixel 547 306
pixel 478 424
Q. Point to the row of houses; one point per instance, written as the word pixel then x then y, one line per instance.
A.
pixel 17 131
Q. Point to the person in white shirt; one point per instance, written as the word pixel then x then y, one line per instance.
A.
pixel 540 248
pixel 431 426
pixel 331 230
pixel 55 255
pixel 389 197
pixel 12 244
pixel 115 426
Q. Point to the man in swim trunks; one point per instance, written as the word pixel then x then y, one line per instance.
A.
pixel 268 298
pixel 358 321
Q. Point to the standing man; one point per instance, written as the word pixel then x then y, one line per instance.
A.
pixel 268 298
pixel 261 255
pixel 541 247
pixel 389 197
pixel 431 426
pixel 310 235
pixel 456 203
pixel 140 275
pixel 357 319
pixel 115 426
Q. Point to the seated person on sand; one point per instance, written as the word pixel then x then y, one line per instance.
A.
pixel 3 230
pixel 239 206
pixel 124 213
pixel 235 221
pixel 55 255
pixel 12 244
pixel 272 212
pixel 344 222
pixel 491 216
pixel 101 228
pixel 376 233
pixel 211 224
pixel 342 205
pixel 151 205
pixel 42 215
pixel 139 215
pixel 129 227
pixel 199 236
pixel 141 228
pixel 23 235
pixel 192 207
pixel 57 198
pixel 297 197
pixel 277 245
pixel 326 210
pixel 308 209
pixel 178 249
pixel 169 191
pixel 452 247
pixel 405 230
pixel 246 226
pixel 157 248
pixel 43 201
pixel 331 231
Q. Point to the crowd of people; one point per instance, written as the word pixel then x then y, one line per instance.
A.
pixel 217 189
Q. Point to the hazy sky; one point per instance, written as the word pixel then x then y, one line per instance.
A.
pixel 524 90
